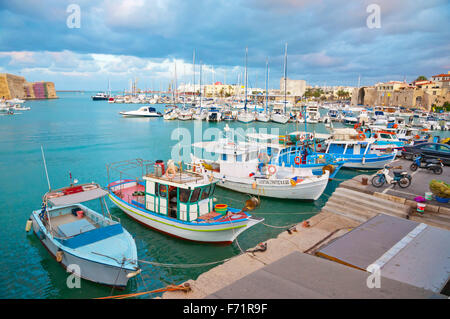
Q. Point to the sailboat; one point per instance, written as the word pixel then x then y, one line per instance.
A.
pixel 246 116
pixel 280 115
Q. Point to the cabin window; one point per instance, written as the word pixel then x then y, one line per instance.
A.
pixel 224 157
pixel 184 195
pixel 195 195
pixel 205 193
pixel 238 158
pixel 386 136
pixel 160 190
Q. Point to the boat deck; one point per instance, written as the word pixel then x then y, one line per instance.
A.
pixel 126 194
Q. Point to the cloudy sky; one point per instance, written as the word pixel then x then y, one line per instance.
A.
pixel 330 42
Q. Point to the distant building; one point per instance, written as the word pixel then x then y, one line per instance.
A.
pixel 15 86
pixel 293 87
pixel 419 94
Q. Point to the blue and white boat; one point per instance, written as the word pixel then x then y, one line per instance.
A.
pixel 359 154
pixel 92 245
pixel 297 150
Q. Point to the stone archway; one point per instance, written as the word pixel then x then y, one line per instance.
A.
pixel 419 101
pixel 361 94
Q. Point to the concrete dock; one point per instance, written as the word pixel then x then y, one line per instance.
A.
pixel 351 205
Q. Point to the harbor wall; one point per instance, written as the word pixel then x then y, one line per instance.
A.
pixel 14 86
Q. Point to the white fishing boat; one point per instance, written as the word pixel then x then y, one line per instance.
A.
pixel 243 168
pixel 178 202
pixel 145 111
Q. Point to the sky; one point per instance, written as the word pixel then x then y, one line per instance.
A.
pixel 329 42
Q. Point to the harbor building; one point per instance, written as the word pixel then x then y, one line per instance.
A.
pixel 15 86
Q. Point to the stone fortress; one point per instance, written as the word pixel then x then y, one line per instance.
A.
pixel 418 94
pixel 15 86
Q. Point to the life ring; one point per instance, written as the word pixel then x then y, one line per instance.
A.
pixel 360 137
pixel 298 160
pixel 170 173
pixel 417 137
pixel 271 169
pixel 89 187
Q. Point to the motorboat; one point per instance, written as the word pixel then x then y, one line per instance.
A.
pixel 100 96
pixel 144 111
pixel 75 235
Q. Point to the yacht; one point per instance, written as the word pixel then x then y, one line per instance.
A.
pixel 145 111
pixel 100 96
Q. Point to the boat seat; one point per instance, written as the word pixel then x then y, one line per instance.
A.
pixel 75 228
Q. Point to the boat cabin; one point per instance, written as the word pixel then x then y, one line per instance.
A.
pixel 184 196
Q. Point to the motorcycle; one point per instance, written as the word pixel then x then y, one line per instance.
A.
pixel 403 179
pixel 433 164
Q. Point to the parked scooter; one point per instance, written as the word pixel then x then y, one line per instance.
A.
pixel 403 179
pixel 433 164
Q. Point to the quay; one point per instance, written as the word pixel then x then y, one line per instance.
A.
pixel 330 256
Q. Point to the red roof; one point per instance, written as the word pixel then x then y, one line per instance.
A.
pixel 442 75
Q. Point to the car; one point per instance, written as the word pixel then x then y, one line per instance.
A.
pixel 432 150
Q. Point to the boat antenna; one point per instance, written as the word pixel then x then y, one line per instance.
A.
pixel 45 166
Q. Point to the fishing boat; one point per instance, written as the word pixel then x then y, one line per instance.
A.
pixel 178 202
pixel 360 154
pixel 145 111
pixel 74 234
pixel 242 168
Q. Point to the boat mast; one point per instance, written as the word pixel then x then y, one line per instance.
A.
pixel 195 93
pixel 267 83
pixel 201 96
pixel 245 102
pixel 285 75
pixel 45 167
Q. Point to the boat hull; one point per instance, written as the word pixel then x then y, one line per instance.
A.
pixel 218 233
pixel 368 163
pixel 89 270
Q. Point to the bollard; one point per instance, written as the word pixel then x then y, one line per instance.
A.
pixel 364 181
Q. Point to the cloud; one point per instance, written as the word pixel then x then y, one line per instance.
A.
pixel 328 39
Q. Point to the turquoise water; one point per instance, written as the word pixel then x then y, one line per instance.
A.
pixel 81 136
